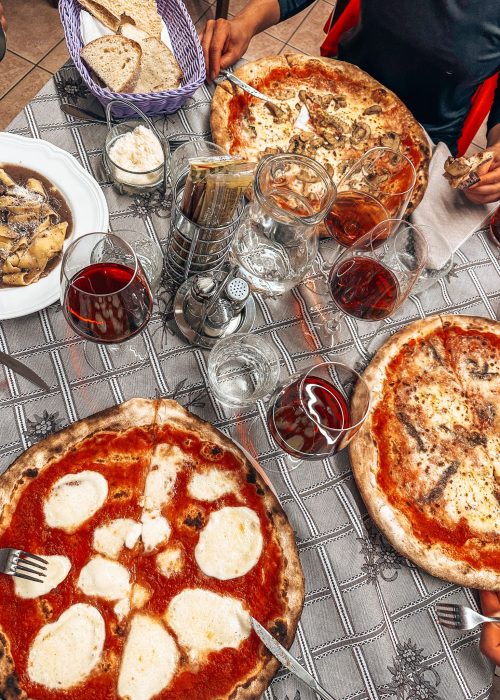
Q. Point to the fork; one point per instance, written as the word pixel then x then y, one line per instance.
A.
pixel 15 561
pixel 460 617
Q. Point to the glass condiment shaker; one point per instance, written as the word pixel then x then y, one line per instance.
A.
pixel 277 240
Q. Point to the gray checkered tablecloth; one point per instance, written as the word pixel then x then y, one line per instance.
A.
pixel 368 629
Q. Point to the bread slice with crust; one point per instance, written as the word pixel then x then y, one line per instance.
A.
pixel 159 68
pixel 116 60
pixel 112 13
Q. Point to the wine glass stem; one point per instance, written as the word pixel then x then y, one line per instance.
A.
pixel 333 326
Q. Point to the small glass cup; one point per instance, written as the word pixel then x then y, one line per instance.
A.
pixel 133 181
pixel 242 369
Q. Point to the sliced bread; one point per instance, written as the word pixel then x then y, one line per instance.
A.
pixel 159 68
pixel 144 15
pixel 106 11
pixel 116 60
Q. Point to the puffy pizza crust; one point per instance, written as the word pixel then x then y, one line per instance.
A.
pixel 363 452
pixel 257 70
pixel 142 413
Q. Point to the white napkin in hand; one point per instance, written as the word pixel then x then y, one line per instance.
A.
pixel 447 211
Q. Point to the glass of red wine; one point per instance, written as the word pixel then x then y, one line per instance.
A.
pixel 377 187
pixel 373 277
pixel 315 413
pixel 105 296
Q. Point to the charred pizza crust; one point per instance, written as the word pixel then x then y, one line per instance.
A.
pixel 152 414
pixel 363 92
pixel 365 460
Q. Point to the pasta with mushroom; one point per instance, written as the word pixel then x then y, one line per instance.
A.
pixel 32 230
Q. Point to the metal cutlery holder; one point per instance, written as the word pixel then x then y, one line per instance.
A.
pixel 193 249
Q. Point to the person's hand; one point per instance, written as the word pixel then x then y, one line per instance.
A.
pixel 488 188
pixel 224 42
pixel 3 19
pixel 490 632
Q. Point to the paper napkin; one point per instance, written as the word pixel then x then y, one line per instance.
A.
pixel 447 212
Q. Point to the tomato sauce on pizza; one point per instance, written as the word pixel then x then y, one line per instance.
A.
pixel 191 481
pixel 432 442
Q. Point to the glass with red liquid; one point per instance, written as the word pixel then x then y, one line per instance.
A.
pixel 315 413
pixel 377 187
pixel 105 295
pixel 372 278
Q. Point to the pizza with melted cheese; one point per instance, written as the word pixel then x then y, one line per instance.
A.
pixel 348 112
pixel 161 540
pixel 427 460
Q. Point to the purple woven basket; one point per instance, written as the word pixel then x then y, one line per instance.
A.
pixel 186 48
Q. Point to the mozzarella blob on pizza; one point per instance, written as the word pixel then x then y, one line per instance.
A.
pixel 427 460
pixel 161 541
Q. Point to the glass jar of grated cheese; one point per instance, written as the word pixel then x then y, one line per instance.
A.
pixel 134 154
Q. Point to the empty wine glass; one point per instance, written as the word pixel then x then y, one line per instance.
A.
pixel 312 414
pixel 276 242
pixel 377 187
pixel 373 277
pixel 105 295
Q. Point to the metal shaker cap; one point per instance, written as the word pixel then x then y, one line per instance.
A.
pixel 203 287
pixel 237 290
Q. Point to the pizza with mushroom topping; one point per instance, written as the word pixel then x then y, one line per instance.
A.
pixel 348 113
pixel 427 459
pixel 161 540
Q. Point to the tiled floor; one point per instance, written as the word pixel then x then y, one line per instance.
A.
pixel 36 50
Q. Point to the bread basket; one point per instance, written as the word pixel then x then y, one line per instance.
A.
pixel 186 48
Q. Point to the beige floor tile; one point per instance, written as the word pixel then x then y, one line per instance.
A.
pixel 263 45
pixel 209 14
pixel 12 69
pixel 284 30
pixel 309 36
pixel 14 101
pixel 56 58
pixel 34 28
pixel 196 8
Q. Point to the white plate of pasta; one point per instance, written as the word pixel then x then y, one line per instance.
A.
pixel 46 201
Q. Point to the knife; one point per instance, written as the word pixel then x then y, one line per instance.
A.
pixel 303 118
pixel 287 660
pixel 23 370
pixel 85 114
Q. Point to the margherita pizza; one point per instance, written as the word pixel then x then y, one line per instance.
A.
pixel 427 460
pixel 349 112
pixel 161 541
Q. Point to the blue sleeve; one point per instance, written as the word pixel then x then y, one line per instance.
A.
pixel 288 8
pixel 494 117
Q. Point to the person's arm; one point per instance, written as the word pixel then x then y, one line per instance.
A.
pixel 490 632
pixel 225 41
pixel 488 189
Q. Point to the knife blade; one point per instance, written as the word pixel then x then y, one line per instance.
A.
pixel 288 661
pixel 85 114
pixel 302 121
pixel 22 369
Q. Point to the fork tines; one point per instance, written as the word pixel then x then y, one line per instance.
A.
pixel 30 564
pixel 448 615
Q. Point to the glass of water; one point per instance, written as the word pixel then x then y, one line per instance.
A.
pixel 242 369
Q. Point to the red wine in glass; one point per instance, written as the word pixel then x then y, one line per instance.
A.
pixel 293 427
pixel 107 302
pixel 352 215
pixel 364 288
